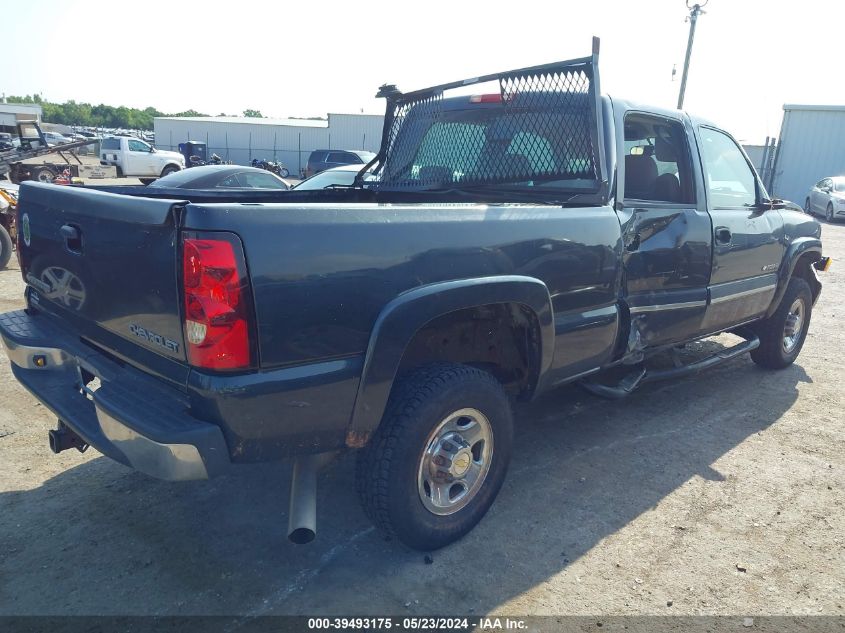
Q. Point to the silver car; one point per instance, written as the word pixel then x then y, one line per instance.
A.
pixel 827 197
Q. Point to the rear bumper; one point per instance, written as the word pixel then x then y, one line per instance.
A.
pixel 130 417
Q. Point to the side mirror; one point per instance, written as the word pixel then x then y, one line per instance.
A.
pixel 765 204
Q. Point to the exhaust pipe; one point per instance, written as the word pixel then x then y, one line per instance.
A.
pixel 302 517
pixel 64 438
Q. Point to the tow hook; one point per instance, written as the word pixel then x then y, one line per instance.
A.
pixel 64 438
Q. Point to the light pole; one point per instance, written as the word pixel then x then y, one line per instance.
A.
pixel 695 11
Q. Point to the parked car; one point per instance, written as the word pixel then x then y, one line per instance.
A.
pixel 54 138
pixel 134 157
pixel 322 159
pixel 497 256
pixel 343 176
pixel 228 177
pixel 827 197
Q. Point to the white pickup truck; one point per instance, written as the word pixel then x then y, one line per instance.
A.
pixel 134 157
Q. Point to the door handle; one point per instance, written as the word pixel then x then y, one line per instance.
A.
pixel 723 235
pixel 73 238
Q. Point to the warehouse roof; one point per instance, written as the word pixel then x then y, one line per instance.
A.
pixel 249 120
pixel 829 108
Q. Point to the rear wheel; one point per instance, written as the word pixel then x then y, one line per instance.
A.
pixel 829 215
pixel 43 174
pixel 438 460
pixel 170 169
pixel 782 335
pixel 5 247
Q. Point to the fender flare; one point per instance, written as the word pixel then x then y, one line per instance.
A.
pixel 799 247
pixel 402 318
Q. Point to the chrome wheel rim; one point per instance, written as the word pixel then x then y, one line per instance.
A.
pixel 794 325
pixel 455 462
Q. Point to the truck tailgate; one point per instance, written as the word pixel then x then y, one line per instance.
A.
pixel 107 265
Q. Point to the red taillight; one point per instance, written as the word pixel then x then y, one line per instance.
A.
pixel 216 307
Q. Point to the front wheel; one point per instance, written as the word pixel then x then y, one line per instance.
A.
pixel 438 460
pixel 170 169
pixel 829 215
pixel 807 208
pixel 782 335
pixel 5 247
pixel 284 172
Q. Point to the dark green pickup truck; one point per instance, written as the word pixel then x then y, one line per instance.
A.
pixel 521 231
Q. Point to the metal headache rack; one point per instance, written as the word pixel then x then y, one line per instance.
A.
pixel 540 129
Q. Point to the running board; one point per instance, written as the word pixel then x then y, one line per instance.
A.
pixel 643 376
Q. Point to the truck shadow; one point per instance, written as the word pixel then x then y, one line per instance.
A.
pixel 110 541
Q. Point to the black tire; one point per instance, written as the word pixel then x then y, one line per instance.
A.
pixel 807 208
pixel 5 247
pixel 170 169
pixel 829 216
pixel 773 352
pixel 388 469
pixel 284 172
pixel 43 174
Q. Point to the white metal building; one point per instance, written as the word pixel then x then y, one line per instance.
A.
pixel 811 147
pixel 11 113
pixel 288 141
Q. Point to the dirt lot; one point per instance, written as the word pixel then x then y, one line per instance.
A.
pixel 718 494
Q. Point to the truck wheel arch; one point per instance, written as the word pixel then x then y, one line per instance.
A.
pixel 801 254
pixel 402 318
pixel 170 168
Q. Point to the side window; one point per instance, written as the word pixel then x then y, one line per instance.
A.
pixel 657 160
pixel 730 180
pixel 820 183
pixel 138 146
pixel 229 181
pixel 317 157
pixel 337 157
pixel 261 181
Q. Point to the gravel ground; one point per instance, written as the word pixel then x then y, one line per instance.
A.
pixel 717 494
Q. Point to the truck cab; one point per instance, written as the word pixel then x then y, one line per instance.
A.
pixel 134 157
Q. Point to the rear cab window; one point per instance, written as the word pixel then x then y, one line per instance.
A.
pixel 492 144
pixel 110 143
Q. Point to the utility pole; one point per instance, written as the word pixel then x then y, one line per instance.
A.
pixel 695 11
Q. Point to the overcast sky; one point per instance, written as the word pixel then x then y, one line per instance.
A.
pixel 310 58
